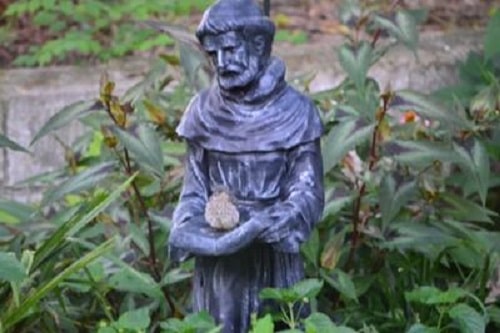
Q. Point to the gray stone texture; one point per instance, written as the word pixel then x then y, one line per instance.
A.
pixel 29 97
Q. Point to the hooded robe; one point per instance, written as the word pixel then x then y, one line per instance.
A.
pixel 263 147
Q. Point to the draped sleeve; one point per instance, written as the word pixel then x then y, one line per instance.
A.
pixel 303 197
pixel 190 233
pixel 193 197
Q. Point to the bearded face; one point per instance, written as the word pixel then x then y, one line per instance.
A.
pixel 236 62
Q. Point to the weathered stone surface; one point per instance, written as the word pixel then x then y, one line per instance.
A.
pixel 434 66
pixel 33 95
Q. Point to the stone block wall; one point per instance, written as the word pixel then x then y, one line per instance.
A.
pixel 29 97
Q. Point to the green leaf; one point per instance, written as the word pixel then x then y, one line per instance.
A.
pixel 426 107
pixel 349 135
pixel 468 319
pixel 465 209
pixel 482 169
pixel 318 323
pixel 422 153
pixel 144 146
pixel 404 29
pixel 390 200
pixel 408 29
pixel 356 63
pixel 272 293
pixel 491 45
pixel 432 295
pixel 307 288
pixel 76 223
pixel 134 320
pixel 342 282
pixel 64 117
pixel 419 328
pixel 349 11
pixel 11 318
pixel 5 142
pixel 15 212
pixel 310 249
pixel 131 280
pixel 196 322
pixel 174 276
pixel 263 325
pixel 82 181
pixel 11 270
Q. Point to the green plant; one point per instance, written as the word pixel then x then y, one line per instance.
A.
pixel 408 242
pixel 95 29
pixel 408 180
pixel 129 288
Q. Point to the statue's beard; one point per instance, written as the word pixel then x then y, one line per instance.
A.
pixel 238 76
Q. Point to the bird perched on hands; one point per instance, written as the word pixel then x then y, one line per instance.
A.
pixel 220 211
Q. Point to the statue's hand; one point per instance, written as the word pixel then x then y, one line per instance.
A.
pixel 277 228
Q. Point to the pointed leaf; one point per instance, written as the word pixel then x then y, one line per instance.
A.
pixel 468 319
pixel 310 249
pixel 264 325
pixel 82 181
pixel 144 146
pixel 422 153
pixel 308 288
pixel 426 107
pixel 356 63
pixel 419 328
pixel 11 270
pixel 342 282
pixel 76 221
pixel 408 33
pixel 491 45
pixel 432 295
pixel 341 139
pixel 12 317
pixel 465 209
pixel 15 212
pixel 5 142
pixel 131 280
pixel 482 168
pixel 391 201
pixel 134 320
pixel 318 323
pixel 65 116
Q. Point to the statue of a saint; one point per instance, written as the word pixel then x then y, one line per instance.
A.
pixel 253 146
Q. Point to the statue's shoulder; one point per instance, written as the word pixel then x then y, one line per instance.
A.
pixel 298 98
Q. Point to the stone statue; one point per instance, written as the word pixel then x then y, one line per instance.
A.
pixel 253 183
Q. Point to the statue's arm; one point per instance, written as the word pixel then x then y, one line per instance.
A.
pixel 190 209
pixel 191 234
pixel 293 218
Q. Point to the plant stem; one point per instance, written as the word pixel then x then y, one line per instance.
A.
pixel 355 239
pixel 378 32
pixel 152 250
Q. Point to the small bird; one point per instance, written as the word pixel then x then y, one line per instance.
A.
pixel 220 211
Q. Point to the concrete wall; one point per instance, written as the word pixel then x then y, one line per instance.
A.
pixel 29 97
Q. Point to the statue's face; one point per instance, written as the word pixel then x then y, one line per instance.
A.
pixel 236 63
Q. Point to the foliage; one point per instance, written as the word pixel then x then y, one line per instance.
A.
pixel 408 240
pixel 94 29
pixel 407 243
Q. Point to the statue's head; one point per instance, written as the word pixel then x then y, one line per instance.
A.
pixel 238 37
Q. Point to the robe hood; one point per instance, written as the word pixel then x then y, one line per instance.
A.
pixel 269 116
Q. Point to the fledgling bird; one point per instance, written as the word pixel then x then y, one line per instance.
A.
pixel 220 211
